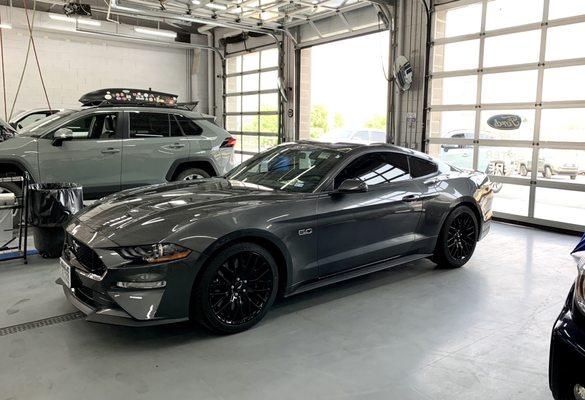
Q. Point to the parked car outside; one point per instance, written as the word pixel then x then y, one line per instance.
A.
pixel 549 166
pixel 294 218
pixel 360 136
pixel 567 347
pixel 110 147
pixel 27 117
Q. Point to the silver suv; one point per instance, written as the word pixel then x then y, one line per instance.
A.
pixel 107 148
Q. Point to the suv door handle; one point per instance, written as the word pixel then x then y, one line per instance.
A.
pixel 410 197
pixel 176 146
pixel 110 150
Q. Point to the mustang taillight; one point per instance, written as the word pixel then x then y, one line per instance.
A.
pixel 229 142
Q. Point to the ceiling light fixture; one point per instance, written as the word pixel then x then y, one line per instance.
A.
pixel 155 32
pixel 236 10
pixel 5 26
pixel 80 21
pixel 216 6
pixel 196 2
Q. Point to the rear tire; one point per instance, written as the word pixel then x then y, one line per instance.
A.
pixel 457 240
pixel 192 174
pixel 236 289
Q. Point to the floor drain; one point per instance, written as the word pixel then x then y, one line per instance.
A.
pixel 9 330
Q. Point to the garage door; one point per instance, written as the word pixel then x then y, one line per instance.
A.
pixel 252 101
pixel 508 97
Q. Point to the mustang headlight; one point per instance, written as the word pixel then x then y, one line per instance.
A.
pixel 155 253
pixel 580 286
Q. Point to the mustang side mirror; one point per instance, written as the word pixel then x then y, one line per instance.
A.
pixel 352 186
pixel 61 135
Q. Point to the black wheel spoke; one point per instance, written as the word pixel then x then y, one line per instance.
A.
pixel 461 236
pixel 241 288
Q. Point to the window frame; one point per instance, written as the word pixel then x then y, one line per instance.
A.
pixel 75 117
pixel 535 144
pixel 327 185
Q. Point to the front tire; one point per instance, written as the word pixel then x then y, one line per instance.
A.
pixel 457 240
pixel 236 289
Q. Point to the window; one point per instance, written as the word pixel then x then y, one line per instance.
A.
pixel 420 167
pixel 331 105
pixel 294 169
pixel 375 169
pixel 150 125
pixel 189 127
pixel 31 118
pixel 95 126
pixel 252 101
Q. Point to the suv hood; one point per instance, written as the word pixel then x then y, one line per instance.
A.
pixel 151 214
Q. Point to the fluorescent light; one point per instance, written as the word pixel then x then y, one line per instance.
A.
pixel 236 10
pixel 196 2
pixel 155 32
pixel 5 26
pixel 264 15
pixel 80 21
pixel 216 6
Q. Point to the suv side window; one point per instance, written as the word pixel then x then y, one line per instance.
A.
pixel 93 126
pixel 375 169
pixel 190 128
pixel 149 125
pixel 420 167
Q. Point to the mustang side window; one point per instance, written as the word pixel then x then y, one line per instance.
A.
pixel 375 169
pixel 420 167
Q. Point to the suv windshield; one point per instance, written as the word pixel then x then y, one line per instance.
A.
pixel 36 129
pixel 298 169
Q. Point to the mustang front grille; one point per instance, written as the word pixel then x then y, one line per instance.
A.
pixel 84 254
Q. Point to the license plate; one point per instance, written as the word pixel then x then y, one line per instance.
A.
pixel 65 273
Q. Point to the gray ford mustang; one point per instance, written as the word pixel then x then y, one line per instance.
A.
pixel 294 218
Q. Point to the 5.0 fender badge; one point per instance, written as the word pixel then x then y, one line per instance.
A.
pixel 307 231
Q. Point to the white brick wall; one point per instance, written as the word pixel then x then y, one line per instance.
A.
pixel 73 65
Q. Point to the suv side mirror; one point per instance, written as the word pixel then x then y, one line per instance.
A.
pixel 61 135
pixel 352 186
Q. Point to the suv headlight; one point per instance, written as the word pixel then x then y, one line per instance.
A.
pixel 580 286
pixel 154 253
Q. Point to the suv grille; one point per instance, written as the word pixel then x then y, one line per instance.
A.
pixel 84 254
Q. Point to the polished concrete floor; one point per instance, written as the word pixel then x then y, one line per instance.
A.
pixel 413 332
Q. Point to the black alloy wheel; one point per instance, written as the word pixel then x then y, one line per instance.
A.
pixel 461 237
pixel 457 240
pixel 237 288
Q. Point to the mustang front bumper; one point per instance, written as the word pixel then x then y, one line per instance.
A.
pixel 567 353
pixel 102 300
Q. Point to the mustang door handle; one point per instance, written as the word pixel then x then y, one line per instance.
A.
pixel 110 150
pixel 410 197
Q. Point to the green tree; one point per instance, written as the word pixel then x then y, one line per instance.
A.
pixel 377 122
pixel 338 121
pixel 319 118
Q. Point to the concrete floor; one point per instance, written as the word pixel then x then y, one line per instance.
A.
pixel 413 332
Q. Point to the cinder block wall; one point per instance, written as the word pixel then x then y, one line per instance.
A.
pixel 73 65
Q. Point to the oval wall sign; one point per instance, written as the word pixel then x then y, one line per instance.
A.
pixel 505 121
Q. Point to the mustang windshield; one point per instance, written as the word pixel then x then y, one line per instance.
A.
pixel 298 169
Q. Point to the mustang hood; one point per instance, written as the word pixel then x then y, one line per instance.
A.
pixel 150 214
